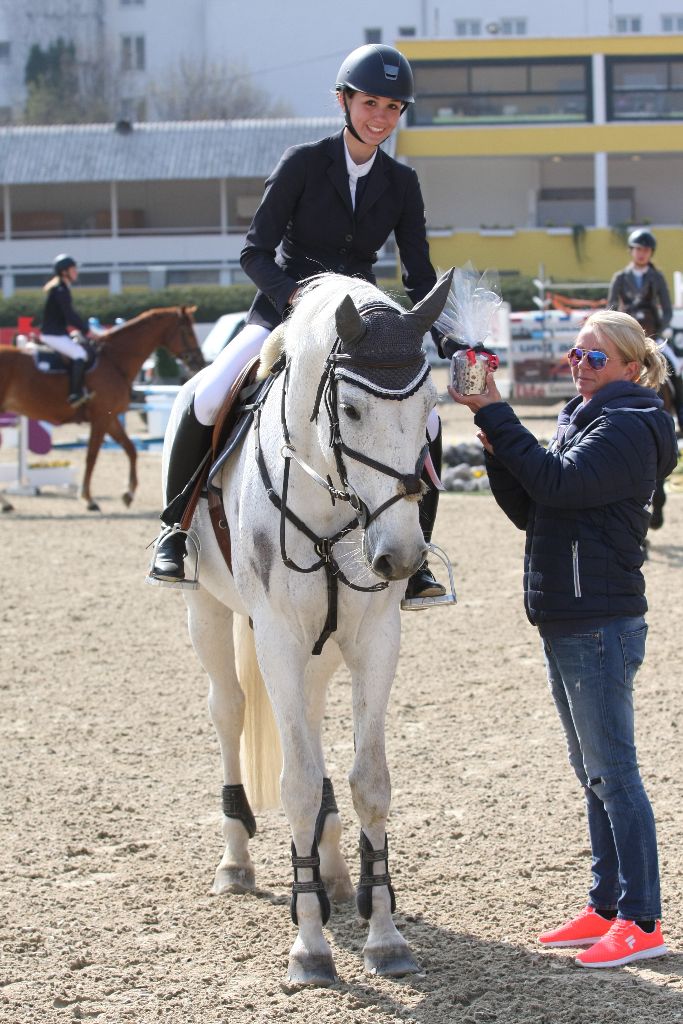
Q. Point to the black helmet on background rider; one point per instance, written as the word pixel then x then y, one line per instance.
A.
pixel 378 70
pixel 63 262
pixel 642 237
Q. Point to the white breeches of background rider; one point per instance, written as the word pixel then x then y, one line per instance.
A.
pixel 675 360
pixel 218 378
pixel 66 345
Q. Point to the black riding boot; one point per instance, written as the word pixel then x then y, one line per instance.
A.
pixel 77 393
pixel 422 583
pixel 190 446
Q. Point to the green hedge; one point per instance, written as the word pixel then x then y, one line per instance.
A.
pixel 213 301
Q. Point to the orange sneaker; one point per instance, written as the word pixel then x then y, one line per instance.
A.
pixel 583 930
pixel 624 942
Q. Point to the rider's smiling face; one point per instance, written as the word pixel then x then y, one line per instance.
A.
pixel 373 117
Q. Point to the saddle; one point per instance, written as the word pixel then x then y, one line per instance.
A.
pixel 234 419
pixel 47 360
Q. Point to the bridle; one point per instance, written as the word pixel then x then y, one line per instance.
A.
pixel 409 484
pixel 190 353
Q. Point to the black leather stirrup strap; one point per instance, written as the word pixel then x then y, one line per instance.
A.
pixel 315 885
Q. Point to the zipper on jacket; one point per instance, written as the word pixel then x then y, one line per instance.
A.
pixel 575 568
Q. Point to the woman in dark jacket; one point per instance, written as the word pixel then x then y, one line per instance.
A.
pixel 585 506
pixel 59 317
pixel 327 206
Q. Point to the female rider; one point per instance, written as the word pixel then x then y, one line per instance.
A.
pixel 327 206
pixel 58 316
pixel 584 504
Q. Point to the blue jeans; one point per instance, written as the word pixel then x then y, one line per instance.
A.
pixel 590 674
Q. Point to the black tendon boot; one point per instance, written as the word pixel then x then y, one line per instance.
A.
pixel 77 393
pixel 190 447
pixel 422 584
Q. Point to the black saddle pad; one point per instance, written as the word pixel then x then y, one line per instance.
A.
pixel 49 361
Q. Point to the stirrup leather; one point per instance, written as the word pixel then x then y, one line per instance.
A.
pixel 189 583
pixel 416 604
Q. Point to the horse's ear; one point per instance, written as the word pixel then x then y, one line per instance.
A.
pixel 427 310
pixel 189 309
pixel 350 326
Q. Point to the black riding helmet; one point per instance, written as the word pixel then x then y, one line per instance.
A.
pixel 63 262
pixel 642 237
pixel 378 70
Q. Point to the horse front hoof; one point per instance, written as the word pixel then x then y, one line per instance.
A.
pixel 233 880
pixel 127 499
pixel 311 969
pixel 6 507
pixel 390 962
pixel 92 506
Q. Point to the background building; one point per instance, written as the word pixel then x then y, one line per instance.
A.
pixel 292 50
pixel 539 134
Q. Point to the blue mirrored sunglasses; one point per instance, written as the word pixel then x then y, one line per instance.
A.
pixel 596 359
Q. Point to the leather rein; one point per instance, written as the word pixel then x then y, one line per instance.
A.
pixel 408 483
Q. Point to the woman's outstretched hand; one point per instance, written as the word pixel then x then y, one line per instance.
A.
pixel 476 402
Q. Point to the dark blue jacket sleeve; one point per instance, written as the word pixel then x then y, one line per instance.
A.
pixel 614 460
pixel 418 274
pixel 282 192
pixel 71 317
pixel 509 494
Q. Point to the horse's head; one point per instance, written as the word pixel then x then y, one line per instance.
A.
pixel 182 341
pixel 377 393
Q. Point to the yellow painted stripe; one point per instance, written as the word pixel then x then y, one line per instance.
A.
pixel 529 140
pixel 497 48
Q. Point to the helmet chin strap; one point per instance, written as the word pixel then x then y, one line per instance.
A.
pixel 349 123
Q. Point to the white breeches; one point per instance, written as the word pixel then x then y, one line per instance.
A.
pixel 217 379
pixel 675 360
pixel 433 424
pixel 66 345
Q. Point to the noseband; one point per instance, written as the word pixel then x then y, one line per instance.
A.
pixel 409 484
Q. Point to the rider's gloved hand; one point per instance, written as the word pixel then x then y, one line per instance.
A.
pixel 446 345
pixel 667 334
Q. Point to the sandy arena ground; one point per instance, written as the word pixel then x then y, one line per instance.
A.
pixel 111 786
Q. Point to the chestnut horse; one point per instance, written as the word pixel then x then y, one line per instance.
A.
pixel 120 353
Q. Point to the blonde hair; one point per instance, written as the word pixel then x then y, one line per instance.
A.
pixel 628 336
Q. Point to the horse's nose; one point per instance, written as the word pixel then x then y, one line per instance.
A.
pixel 390 566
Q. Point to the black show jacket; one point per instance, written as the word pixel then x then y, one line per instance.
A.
pixel 305 225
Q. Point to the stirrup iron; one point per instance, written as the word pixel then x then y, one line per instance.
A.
pixel 190 582
pixel 417 604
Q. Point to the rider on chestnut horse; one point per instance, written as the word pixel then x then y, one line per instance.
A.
pixel 58 316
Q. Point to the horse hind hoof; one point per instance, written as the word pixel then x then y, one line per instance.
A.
pixel 127 499
pixel 315 970
pixel 392 962
pixel 233 880
pixel 93 507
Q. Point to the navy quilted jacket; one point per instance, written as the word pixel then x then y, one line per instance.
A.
pixel 585 501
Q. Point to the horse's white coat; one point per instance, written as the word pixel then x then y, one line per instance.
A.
pixel 288 610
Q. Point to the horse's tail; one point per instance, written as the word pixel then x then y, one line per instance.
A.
pixel 261 751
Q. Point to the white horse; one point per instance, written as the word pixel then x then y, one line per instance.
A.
pixel 340 439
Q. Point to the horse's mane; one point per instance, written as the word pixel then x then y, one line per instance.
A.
pixel 311 328
pixel 145 317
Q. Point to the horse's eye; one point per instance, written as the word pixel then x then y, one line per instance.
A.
pixel 351 412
